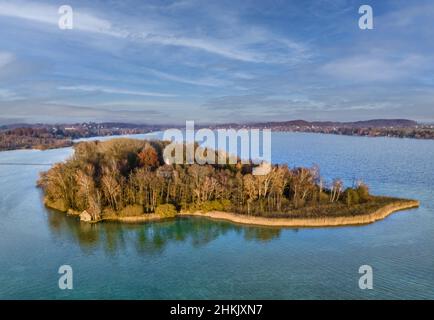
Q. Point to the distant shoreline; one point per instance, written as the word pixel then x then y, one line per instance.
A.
pixel 71 143
pixel 45 136
pixel 362 219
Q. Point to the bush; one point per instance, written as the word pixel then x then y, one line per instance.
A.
pixel 363 192
pixel 57 204
pixel 351 197
pixel 215 205
pixel 166 210
pixel 324 197
pixel 131 211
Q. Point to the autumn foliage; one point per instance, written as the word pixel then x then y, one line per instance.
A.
pixel 129 177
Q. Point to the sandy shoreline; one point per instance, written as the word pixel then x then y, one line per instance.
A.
pixel 273 222
pixel 308 222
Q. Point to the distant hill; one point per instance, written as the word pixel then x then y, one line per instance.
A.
pixel 398 128
pixel 375 123
pixel 384 123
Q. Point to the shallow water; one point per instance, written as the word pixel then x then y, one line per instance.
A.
pixel 200 258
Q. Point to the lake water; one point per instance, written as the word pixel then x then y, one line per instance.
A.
pixel 196 258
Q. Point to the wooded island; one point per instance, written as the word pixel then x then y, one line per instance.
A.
pixel 128 180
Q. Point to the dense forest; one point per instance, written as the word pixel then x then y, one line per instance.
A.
pixel 127 177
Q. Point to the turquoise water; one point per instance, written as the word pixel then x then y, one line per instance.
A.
pixel 198 258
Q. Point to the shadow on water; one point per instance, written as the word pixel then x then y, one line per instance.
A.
pixel 150 238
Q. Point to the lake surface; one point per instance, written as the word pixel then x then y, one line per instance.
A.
pixel 196 258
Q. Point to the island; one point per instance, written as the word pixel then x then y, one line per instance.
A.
pixel 128 180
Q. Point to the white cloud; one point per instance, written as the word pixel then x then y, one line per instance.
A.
pixel 220 48
pixel 85 88
pixel 29 11
pixel 208 82
pixel 8 95
pixel 5 58
pixel 48 14
pixel 369 68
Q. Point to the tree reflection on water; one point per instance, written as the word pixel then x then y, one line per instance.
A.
pixel 152 237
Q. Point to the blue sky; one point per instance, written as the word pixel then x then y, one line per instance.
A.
pixel 215 61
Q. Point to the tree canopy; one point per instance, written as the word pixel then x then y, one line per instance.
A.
pixel 129 177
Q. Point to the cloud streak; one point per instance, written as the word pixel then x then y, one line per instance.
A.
pixel 48 14
pixel 208 82
pixel 99 89
pixel 89 22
